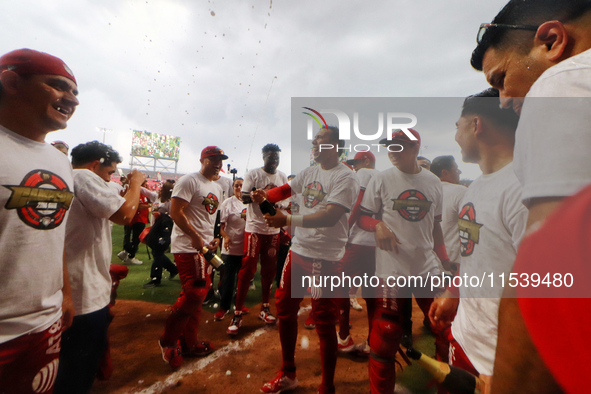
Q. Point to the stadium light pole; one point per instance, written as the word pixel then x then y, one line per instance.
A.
pixel 104 131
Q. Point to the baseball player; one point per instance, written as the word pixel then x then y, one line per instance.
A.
pixel 37 96
pixel 538 54
pixel 194 204
pixel 321 231
pixel 408 199
pixel 260 241
pixel 491 222
pixel 88 257
pixel 446 169
pixel 233 222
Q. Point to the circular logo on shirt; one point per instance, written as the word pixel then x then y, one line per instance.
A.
pixel 412 205
pixel 211 203
pixel 469 229
pixel 243 214
pixel 41 200
pixel 313 194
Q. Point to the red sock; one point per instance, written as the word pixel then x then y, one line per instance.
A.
pixel 344 306
pixel 288 335
pixel 328 352
pixel 174 327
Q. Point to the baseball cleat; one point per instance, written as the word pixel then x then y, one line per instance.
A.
pixel 235 324
pixel 266 315
pixel 354 304
pixel 172 355
pixel 346 345
pixel 220 314
pixel 280 384
pixel 309 324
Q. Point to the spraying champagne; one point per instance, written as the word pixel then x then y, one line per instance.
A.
pixel 453 379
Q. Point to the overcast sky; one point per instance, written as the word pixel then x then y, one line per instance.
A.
pixel 224 72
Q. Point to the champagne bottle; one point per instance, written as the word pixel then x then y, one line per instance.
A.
pixel 212 258
pixel 267 207
pixel 453 379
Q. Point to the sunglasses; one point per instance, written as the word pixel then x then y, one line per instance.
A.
pixel 492 28
pixel 54 143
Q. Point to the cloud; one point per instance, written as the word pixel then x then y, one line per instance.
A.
pixel 171 67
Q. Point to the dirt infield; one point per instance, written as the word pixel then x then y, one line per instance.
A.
pixel 239 365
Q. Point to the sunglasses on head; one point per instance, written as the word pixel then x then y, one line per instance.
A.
pixel 491 28
pixel 54 143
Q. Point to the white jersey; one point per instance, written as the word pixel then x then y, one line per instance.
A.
pixel 255 223
pixel 452 198
pixel 149 194
pixel 357 236
pixel 36 191
pixel 233 215
pixel 227 190
pixel 409 204
pixel 319 188
pixel 88 241
pixel 492 222
pixel 203 197
pixel 553 137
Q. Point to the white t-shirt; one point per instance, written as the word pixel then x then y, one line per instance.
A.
pixel 492 222
pixel 203 196
pixel 36 191
pixel 554 135
pixel 409 204
pixel 149 194
pixel 233 214
pixel 318 189
pixel 452 198
pixel 255 223
pixel 88 241
pixel 357 236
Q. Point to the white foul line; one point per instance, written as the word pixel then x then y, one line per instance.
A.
pixel 189 368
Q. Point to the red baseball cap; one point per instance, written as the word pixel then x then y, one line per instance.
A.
pixel 209 151
pixel 401 136
pixel 28 61
pixel 362 156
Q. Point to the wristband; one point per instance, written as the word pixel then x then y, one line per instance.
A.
pixel 441 252
pixel 296 220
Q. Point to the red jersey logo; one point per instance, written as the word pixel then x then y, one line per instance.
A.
pixel 41 200
pixel 313 194
pixel 412 205
pixel 469 229
pixel 211 203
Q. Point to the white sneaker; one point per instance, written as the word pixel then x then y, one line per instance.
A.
pixel 123 255
pixel 235 324
pixel 266 315
pixel 135 261
pixel 280 384
pixel 355 305
pixel 345 345
pixel 361 349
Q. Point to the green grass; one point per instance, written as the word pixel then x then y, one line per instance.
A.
pixel 415 377
pixel 168 291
